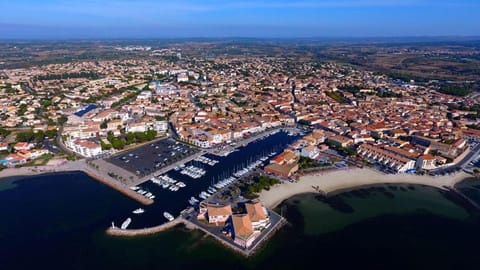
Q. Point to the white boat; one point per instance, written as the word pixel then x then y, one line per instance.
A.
pixel 138 211
pixel 180 184
pixel 193 201
pixel 126 223
pixel 168 216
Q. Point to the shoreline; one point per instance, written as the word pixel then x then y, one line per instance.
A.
pixel 64 166
pixel 337 181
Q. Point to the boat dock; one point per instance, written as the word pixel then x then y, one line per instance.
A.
pixel 169 167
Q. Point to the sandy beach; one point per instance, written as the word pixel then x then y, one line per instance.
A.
pixel 56 165
pixel 345 179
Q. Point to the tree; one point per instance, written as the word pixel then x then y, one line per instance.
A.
pixel 51 133
pixel 62 120
pixel 104 124
pixel 106 146
pixel 140 137
pixel 4 132
pixel 22 109
pixel 26 136
pixel 118 143
pixel 151 134
pixel 39 136
pixel 50 122
pixel 130 138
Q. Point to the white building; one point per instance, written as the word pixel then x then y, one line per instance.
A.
pixel 160 126
pixel 182 77
pixel 310 151
pixel 85 148
pixel 144 95
pixel 426 162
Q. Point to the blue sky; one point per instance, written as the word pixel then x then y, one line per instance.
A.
pixel 216 18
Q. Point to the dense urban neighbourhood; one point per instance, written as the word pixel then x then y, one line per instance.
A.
pixel 211 93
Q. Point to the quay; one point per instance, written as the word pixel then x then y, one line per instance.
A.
pixel 81 165
pixel 107 180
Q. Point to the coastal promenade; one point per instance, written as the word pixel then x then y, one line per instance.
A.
pixel 335 181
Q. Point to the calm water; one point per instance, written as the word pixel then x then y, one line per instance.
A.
pixel 58 222
pixel 175 202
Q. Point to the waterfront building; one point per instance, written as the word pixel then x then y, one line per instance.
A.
pixel 243 233
pixel 310 151
pixel 258 215
pixel 387 157
pixel 284 170
pixel 86 148
pixel 426 162
pixel 218 213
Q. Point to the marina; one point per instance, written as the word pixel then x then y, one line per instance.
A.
pixel 175 191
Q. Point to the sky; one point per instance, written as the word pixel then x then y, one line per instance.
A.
pixel 79 19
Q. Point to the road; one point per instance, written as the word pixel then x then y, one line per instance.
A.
pixel 60 142
pixel 462 165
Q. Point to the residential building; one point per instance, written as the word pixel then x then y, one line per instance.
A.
pixel 218 213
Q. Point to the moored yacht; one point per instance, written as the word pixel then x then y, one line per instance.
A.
pixel 126 223
pixel 138 211
pixel 168 216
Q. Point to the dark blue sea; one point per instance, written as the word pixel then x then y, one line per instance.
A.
pixel 58 221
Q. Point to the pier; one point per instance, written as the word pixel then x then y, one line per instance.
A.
pixel 114 231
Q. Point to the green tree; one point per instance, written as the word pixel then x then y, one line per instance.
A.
pixel 39 136
pixel 4 132
pixel 140 137
pixel 104 124
pixel 51 133
pixel 62 120
pixel 105 146
pixel 151 134
pixel 118 143
pixel 22 109
pixel 130 137
pixel 26 136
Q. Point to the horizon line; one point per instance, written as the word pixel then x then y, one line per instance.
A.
pixel 245 37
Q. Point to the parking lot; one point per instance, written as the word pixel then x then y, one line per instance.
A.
pixel 152 157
